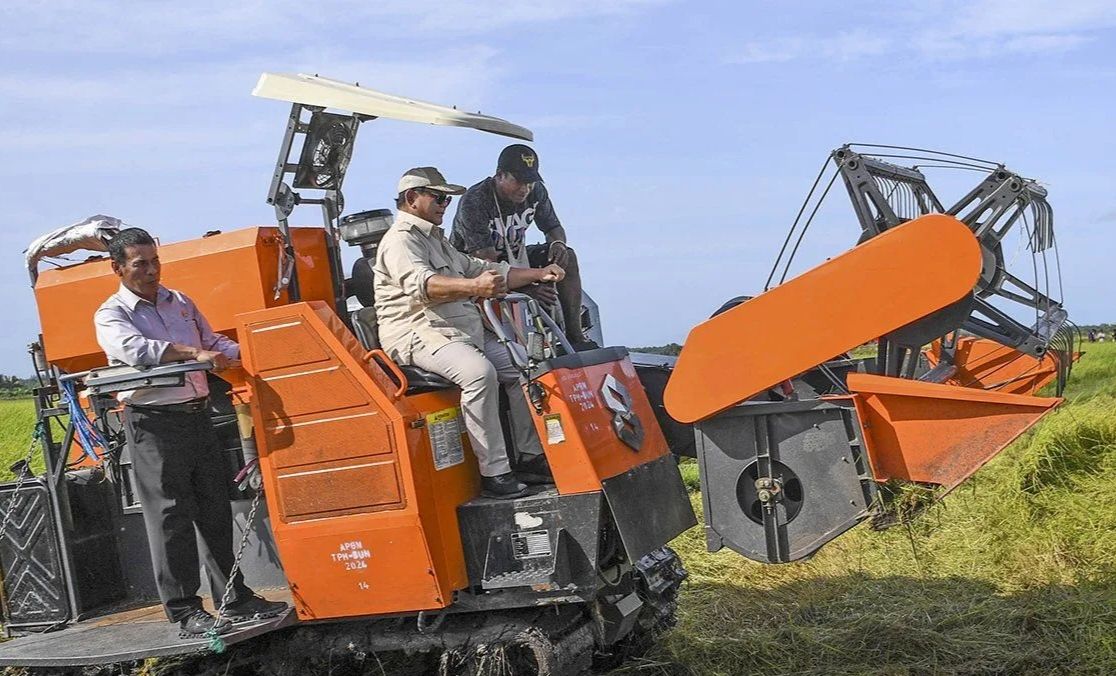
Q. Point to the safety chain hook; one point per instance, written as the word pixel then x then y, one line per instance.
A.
pixel 216 643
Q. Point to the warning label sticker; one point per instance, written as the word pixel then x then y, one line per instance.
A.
pixel 554 432
pixel 444 428
pixel 532 544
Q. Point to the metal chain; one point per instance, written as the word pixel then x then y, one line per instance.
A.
pixel 22 478
pixel 215 641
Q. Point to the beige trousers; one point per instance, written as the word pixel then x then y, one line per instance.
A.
pixel 479 375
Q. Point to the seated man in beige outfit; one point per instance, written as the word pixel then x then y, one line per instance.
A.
pixel 424 290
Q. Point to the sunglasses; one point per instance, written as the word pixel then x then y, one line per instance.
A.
pixel 440 198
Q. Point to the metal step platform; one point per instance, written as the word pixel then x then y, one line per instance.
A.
pixel 133 634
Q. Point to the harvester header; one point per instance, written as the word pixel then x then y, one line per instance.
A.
pixel 952 382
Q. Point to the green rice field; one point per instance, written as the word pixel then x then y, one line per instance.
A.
pixel 1014 573
pixel 17 423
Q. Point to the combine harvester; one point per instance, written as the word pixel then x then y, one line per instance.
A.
pixel 366 514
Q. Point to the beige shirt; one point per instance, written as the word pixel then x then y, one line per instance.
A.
pixel 411 252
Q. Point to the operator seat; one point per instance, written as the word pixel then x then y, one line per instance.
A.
pixel 366 329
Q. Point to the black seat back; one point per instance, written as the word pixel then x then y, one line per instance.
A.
pixel 365 327
pixel 360 283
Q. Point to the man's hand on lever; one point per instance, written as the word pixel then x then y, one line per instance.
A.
pixel 218 359
pixel 522 279
pixel 490 284
pixel 552 273
pixel 541 283
pixel 179 352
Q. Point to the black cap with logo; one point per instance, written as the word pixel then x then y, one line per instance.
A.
pixel 521 161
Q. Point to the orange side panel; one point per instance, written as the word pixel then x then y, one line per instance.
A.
pixel 441 491
pixel 987 365
pixel 588 449
pixel 225 274
pixel 348 476
pixel 883 284
pixel 938 434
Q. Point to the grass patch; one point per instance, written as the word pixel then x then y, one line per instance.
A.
pixel 691 477
pixel 864 351
pixel 17 423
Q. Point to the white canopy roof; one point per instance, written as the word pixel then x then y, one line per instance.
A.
pixel 313 90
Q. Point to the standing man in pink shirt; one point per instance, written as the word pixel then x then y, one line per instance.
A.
pixel 180 470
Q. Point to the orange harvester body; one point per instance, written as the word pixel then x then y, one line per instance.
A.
pixel 588 450
pixel 365 521
pixel 224 274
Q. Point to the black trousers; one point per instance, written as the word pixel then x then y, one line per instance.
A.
pixel 181 482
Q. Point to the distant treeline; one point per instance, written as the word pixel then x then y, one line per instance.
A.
pixel 672 349
pixel 14 386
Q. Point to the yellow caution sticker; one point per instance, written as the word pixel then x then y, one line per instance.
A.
pixel 444 428
pixel 554 432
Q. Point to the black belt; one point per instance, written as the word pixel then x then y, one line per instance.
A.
pixel 192 406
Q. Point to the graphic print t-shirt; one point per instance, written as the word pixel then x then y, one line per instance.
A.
pixel 483 220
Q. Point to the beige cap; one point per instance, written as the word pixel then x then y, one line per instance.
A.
pixel 430 178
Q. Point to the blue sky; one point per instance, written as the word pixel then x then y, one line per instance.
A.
pixel 677 139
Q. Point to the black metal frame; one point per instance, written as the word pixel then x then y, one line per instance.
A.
pixel 885 195
pixel 49 413
pixel 782 479
pixel 284 199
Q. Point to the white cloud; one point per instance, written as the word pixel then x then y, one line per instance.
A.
pixel 460 76
pixel 958 47
pixel 856 44
pixel 119 139
pixel 173 74
pixel 1045 43
pixel 573 121
pixel 475 17
pixel 180 118
pixel 161 27
pixel 1011 17
pixel 981 29
pixel 770 51
pixel 844 46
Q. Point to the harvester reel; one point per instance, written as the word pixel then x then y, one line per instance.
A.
pixel 885 195
pixel 993 271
